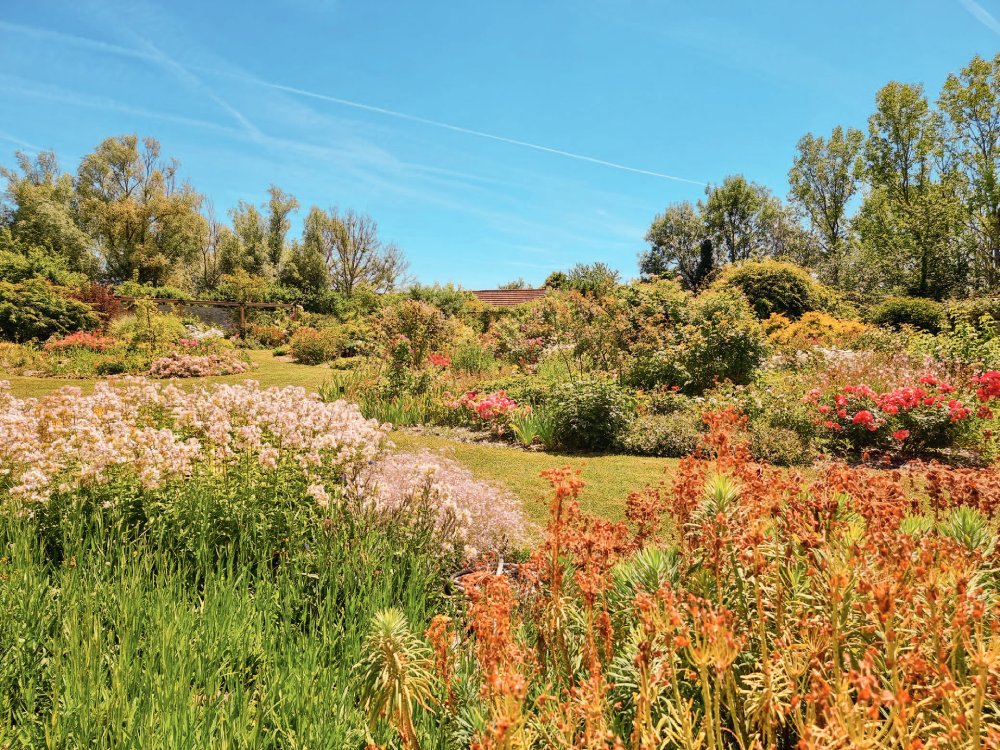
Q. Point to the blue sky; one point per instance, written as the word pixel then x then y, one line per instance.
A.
pixel 247 96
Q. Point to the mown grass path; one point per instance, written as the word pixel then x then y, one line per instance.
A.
pixel 608 478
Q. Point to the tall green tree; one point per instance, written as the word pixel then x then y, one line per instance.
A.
pixel 280 206
pixel 246 247
pixel 823 182
pixel 679 245
pixel 910 219
pixel 40 209
pixel 744 220
pixel 354 254
pixel 145 224
pixel 971 102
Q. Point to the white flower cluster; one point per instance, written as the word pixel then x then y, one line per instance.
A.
pixel 478 515
pixel 160 431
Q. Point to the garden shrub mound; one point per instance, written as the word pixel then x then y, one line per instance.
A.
pixel 923 314
pixel 36 309
pixel 773 287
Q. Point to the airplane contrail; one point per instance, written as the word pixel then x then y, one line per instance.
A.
pixel 460 129
pixel 154 55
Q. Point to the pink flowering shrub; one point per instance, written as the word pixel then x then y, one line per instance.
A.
pixel 930 414
pixel 987 390
pixel 439 360
pixel 490 410
pixel 80 340
pixel 176 365
pixel 469 515
pixel 139 430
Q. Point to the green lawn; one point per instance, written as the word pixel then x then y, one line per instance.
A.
pixel 609 479
pixel 269 371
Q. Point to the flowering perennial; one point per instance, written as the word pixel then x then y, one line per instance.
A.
pixel 80 340
pixel 478 515
pixel 177 365
pixel 485 409
pixel 160 432
pixel 925 412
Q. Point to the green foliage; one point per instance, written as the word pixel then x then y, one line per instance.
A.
pixel 779 446
pixel 667 435
pixel 147 291
pixel 449 299
pixel 589 414
pixel 775 287
pixel 977 311
pixel 422 325
pixel 924 314
pixel 470 357
pixel 590 278
pixel 679 245
pixel 823 181
pixel 727 342
pixel 36 263
pixel 147 325
pixel 35 309
pixel 226 615
pixel 310 346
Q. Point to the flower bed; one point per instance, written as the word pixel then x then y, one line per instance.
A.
pixel 176 365
pixel 932 414
pixel 80 340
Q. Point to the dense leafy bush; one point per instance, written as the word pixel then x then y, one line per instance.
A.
pixel 38 264
pixel 147 325
pixel 310 347
pixel 36 309
pixel 449 299
pixel 668 435
pixel 925 314
pixel 422 325
pixel 146 291
pixel 779 446
pixel 775 287
pixel 725 342
pixel 590 414
pixel 976 311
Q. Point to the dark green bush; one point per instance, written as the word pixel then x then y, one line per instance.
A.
pixel 724 342
pixel 590 414
pixel 35 309
pixel 653 370
pixel 771 286
pixel 925 314
pixel 36 263
pixel 779 446
pixel 667 435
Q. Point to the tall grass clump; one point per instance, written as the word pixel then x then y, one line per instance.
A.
pixel 201 569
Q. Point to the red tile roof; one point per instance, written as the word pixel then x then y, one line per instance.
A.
pixel 508 297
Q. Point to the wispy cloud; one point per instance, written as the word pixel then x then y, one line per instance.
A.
pixel 151 53
pixel 982 15
pixel 466 131
pixel 19 142
pixel 185 75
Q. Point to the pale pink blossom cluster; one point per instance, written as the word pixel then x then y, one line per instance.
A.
pixel 176 365
pixel 157 431
pixel 471 515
